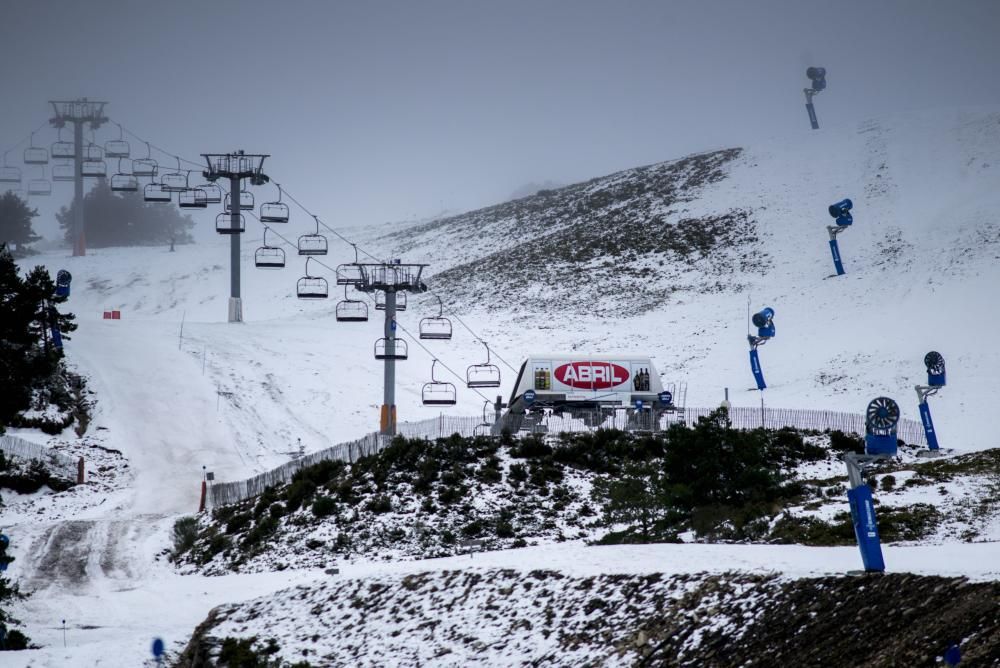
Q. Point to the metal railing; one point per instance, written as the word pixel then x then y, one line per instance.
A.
pixel 443 426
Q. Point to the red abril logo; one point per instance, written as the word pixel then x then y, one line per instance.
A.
pixel 592 375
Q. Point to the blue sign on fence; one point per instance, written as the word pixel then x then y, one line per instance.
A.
pixel 529 397
pixel 666 398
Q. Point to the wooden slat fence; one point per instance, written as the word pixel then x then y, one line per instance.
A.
pixel 226 493
pixel 58 464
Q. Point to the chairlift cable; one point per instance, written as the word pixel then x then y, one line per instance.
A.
pixel 27 138
pixel 450 313
pixel 399 325
pixel 199 165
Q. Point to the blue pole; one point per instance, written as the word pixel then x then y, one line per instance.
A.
pixel 866 528
pixel 925 417
pixel 835 249
pixel 812 116
pixel 758 375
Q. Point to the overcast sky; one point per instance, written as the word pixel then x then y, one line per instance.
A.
pixel 377 111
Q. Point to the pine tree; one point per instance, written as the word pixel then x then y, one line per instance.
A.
pixel 15 221
pixel 29 307
pixel 125 219
pixel 40 292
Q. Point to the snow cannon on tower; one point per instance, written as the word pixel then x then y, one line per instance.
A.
pixel 841 213
pixel 817 75
pixel 934 362
pixel 763 320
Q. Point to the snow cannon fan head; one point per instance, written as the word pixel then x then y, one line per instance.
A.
pixel 63 280
pixel 818 77
pixel 763 320
pixel 934 361
pixel 881 420
pixel 842 212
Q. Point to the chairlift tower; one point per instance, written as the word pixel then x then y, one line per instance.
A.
pixel 235 166
pixel 391 279
pixel 78 112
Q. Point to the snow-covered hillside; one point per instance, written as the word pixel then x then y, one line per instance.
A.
pixel 179 391
pixel 921 259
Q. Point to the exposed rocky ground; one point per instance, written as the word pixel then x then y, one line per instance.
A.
pixel 633 238
pixel 545 618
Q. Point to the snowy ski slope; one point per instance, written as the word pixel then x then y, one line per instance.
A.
pixel 923 263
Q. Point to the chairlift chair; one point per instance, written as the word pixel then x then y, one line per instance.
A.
pixel 246 201
pixel 350 274
pixel 63 150
pixel 35 155
pixel 274 212
pixel 41 187
pixel 147 166
pixel 174 182
pixel 483 375
pixel 312 287
pixel 351 310
pixel 380 301
pixel 9 174
pixel 124 183
pixel 117 148
pixel 213 193
pixel 63 171
pixel 438 392
pixel 436 328
pixel 269 257
pixel 94 168
pixel 93 152
pixel 313 244
pixel 224 223
pixel 382 349
pixel 152 192
pixel 192 198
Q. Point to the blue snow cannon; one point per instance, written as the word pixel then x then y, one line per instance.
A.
pixel 4 559
pixel 763 320
pixel 934 361
pixel 63 279
pixel 842 212
pixel 817 75
pixel 881 420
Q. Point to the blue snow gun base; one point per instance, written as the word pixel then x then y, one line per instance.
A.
pixel 758 375
pixel 835 251
pixel 866 528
